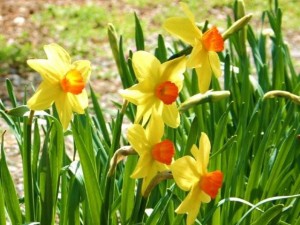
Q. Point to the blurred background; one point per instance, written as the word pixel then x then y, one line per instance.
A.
pixel 80 26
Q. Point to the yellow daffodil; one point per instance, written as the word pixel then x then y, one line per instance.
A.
pixel 158 87
pixel 203 56
pixel 190 174
pixel 63 83
pixel 155 155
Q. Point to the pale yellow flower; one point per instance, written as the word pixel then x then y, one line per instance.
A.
pixel 63 83
pixel 203 56
pixel 155 155
pixel 157 89
pixel 190 174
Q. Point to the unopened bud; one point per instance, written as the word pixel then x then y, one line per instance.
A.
pixel 113 41
pixel 119 155
pixel 236 26
pixel 161 176
pixel 284 94
pixel 209 96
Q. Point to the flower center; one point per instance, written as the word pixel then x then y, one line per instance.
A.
pixel 72 82
pixel 167 92
pixel 212 40
pixel 163 152
pixel 211 182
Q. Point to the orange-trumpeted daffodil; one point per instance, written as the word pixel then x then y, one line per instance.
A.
pixel 191 174
pixel 158 87
pixel 155 155
pixel 203 56
pixel 63 83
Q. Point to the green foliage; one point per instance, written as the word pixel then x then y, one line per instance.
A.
pixel 13 56
pixel 255 141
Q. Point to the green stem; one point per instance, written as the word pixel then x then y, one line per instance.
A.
pixel 27 171
pixel 142 210
pixel 185 51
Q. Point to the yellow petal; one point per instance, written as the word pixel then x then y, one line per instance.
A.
pixel 64 109
pixel 151 174
pixel 145 65
pixel 78 102
pixel 58 57
pixel 84 67
pixel 215 63
pixel 137 139
pixel 47 70
pixel 204 76
pixel 172 71
pixel 44 96
pixel 139 93
pixel 155 128
pixel 204 151
pixel 191 205
pixel 170 115
pixel 187 11
pixel 183 28
pixel 143 112
pixel 195 58
pixel 185 172
pixel 196 153
pixel 143 167
pixel 205 198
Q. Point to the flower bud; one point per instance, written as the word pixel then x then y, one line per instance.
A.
pixel 284 94
pixel 209 96
pixel 236 26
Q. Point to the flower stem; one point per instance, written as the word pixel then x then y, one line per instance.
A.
pixel 185 51
pixel 27 172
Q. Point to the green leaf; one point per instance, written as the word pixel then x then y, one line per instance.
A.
pixel 192 137
pixel 139 36
pixel 161 51
pixel 128 187
pixel 18 111
pixel 100 117
pixel 125 75
pixel 11 94
pixel 269 216
pixel 8 190
pixel 89 171
pixel 266 201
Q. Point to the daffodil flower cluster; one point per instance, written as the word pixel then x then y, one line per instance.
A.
pixel 155 95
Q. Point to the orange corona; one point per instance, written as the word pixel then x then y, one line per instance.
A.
pixel 73 82
pixel 211 182
pixel 212 40
pixel 163 152
pixel 167 92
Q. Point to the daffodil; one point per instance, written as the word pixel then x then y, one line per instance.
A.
pixel 155 155
pixel 157 89
pixel 203 57
pixel 190 174
pixel 63 83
